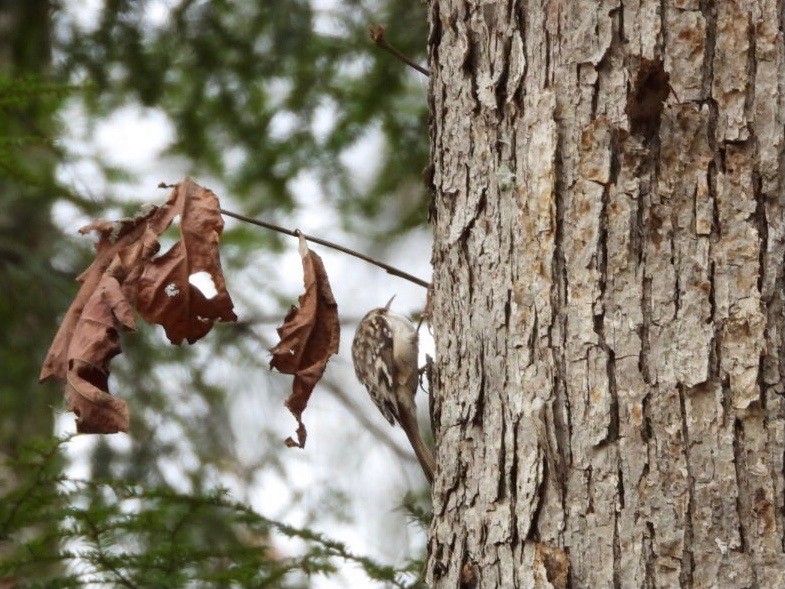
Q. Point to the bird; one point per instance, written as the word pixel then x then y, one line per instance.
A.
pixel 384 353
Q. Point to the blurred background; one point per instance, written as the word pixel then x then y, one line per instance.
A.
pixel 288 112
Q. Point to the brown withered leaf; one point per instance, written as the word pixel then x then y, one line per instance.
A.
pixel 96 340
pixel 122 236
pixel 166 295
pixel 121 277
pixel 88 337
pixel 309 336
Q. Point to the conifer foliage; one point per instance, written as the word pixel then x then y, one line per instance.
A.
pixel 112 534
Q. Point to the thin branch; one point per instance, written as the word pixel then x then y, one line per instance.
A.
pixel 349 321
pixel 296 233
pixel 377 36
pixel 351 406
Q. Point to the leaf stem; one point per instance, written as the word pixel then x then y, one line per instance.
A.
pixel 296 233
pixel 377 36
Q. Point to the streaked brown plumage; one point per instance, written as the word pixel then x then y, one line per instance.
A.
pixel 384 352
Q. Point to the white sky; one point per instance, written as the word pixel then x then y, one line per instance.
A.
pixel 338 449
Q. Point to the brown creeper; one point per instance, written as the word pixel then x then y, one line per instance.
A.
pixel 384 352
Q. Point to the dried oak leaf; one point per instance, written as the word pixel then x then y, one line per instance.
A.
pixel 166 295
pixel 88 337
pixel 115 237
pixel 95 342
pixel 309 336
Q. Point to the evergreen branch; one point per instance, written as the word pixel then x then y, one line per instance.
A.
pixel 296 233
pixel 20 91
pixel 102 557
pixel 101 523
pixel 38 478
pixel 415 511
pixel 324 546
pixel 332 548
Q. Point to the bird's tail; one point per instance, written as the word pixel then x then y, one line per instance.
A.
pixel 423 453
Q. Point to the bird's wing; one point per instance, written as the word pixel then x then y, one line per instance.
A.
pixel 385 370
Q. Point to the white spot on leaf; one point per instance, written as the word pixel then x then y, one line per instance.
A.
pixel 203 282
pixel 171 290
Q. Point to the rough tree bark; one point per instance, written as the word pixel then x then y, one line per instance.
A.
pixel 608 293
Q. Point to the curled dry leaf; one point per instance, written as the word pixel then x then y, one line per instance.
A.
pixel 95 342
pixel 166 295
pixel 124 274
pixel 309 336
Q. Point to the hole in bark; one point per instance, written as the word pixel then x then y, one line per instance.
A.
pixel 646 98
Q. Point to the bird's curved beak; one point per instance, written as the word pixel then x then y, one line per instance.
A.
pixel 387 306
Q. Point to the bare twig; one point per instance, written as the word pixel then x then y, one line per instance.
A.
pixel 367 423
pixel 377 36
pixel 349 321
pixel 673 91
pixel 296 233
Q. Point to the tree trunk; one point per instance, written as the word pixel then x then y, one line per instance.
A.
pixel 608 293
pixel 31 298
